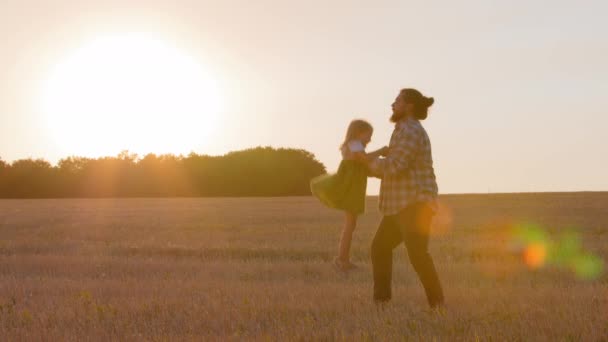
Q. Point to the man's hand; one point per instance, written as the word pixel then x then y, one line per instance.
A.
pixel 384 151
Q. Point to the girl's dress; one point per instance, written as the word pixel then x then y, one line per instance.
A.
pixel 344 190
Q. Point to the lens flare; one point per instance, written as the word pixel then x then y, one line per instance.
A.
pixel 587 266
pixel 443 219
pixel 566 252
pixel 493 244
pixel 535 255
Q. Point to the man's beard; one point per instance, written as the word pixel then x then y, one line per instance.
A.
pixel 397 116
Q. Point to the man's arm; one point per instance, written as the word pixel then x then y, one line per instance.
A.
pixel 400 155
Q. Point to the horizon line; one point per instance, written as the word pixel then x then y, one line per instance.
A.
pixel 304 196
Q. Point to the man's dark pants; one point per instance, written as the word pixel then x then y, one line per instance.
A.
pixel 412 226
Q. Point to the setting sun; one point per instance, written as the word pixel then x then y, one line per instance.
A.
pixel 130 91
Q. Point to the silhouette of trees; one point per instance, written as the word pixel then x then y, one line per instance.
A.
pixel 261 171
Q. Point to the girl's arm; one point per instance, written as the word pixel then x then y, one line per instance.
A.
pixel 378 153
pixel 367 158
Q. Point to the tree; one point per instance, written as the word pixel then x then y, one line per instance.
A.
pixel 30 178
pixel 260 171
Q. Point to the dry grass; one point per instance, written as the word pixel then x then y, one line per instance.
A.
pixel 174 269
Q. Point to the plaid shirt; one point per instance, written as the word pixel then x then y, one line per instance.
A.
pixel 407 172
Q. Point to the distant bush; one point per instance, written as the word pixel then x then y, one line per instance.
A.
pixel 261 171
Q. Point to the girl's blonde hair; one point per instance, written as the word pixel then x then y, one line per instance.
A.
pixel 355 128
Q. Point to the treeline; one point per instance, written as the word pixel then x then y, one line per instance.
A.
pixel 261 171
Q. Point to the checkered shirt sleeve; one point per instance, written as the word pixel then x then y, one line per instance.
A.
pixel 407 172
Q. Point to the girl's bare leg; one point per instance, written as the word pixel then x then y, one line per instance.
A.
pixel 350 223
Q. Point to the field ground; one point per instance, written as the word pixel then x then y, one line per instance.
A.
pixel 166 269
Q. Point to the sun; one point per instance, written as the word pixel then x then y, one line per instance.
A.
pixel 130 92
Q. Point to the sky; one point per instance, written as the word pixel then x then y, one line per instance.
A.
pixel 519 86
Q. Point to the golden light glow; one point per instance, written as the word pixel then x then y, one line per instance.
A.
pixel 535 255
pixel 130 91
pixel 443 219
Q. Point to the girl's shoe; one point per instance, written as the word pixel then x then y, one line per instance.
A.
pixel 352 266
pixel 343 266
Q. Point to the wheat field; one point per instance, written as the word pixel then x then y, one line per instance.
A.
pixel 259 268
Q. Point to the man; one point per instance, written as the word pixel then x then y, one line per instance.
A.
pixel 407 199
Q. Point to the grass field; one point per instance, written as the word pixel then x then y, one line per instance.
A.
pixel 168 269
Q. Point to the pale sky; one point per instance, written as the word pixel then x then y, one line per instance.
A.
pixel 520 87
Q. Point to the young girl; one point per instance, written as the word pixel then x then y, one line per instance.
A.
pixel 345 190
